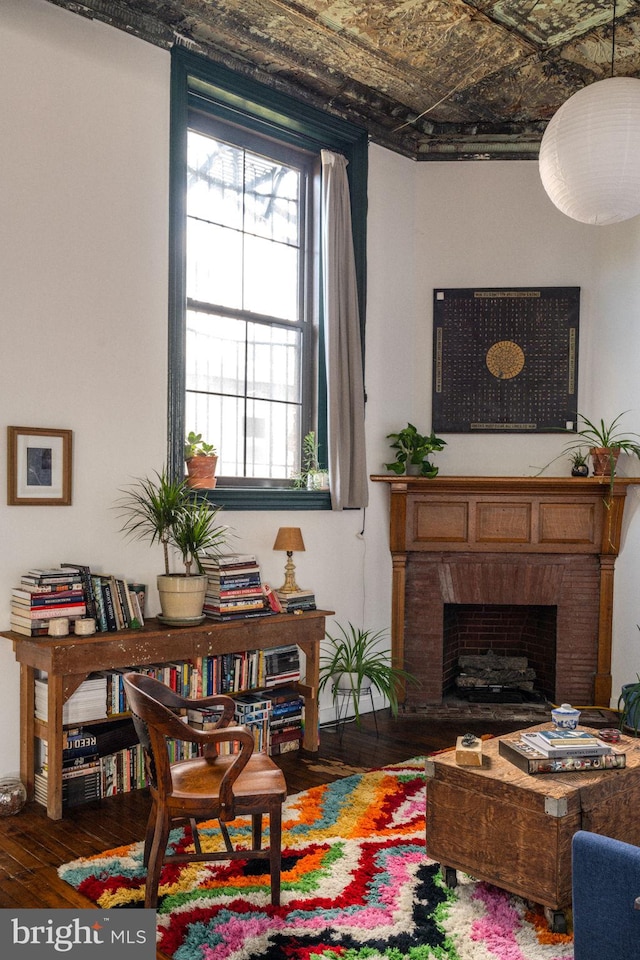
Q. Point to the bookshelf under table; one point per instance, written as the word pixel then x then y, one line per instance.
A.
pixel 68 661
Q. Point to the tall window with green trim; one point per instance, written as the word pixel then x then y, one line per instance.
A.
pixel 246 364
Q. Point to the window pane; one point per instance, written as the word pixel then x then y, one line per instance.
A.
pixel 214 181
pixel 272 199
pixel 273 363
pixel 214 264
pixel 215 353
pixel 271 279
pixel 273 430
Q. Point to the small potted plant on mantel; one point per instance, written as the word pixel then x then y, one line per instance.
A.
pixel 168 512
pixel 201 459
pixel 606 443
pixel 413 451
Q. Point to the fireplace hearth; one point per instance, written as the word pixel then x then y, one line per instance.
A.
pixel 523 567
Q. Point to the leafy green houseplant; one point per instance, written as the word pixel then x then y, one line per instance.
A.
pixel 629 706
pixel 168 512
pixel 579 464
pixel 355 663
pixel 413 451
pixel 312 476
pixel 202 460
pixel 606 442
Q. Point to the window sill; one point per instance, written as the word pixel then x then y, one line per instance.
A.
pixel 270 498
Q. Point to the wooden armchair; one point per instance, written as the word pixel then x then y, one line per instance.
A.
pixel 205 787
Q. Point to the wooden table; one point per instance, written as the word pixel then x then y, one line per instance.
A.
pixel 515 830
pixel 68 661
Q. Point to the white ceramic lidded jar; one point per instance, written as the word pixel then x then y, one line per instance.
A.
pixel 565 717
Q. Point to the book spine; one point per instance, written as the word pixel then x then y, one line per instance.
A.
pixel 101 616
pixel 87 586
pixel 49 613
pixel 59 599
pixel 109 609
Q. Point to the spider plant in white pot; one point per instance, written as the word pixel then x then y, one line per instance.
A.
pixel 355 664
pixel 166 511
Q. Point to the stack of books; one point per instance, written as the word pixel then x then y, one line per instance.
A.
pixel 560 751
pixel 44 595
pixel 234 589
pixel 281 665
pixel 88 702
pixel 253 711
pixel 286 722
pixel 117 606
pixel 72 591
pixel 80 769
pixel 300 600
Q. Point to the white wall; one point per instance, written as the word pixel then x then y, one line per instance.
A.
pixel 83 316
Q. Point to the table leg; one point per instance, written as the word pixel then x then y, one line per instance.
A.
pixel 449 875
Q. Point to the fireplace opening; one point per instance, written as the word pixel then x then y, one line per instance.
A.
pixel 512 645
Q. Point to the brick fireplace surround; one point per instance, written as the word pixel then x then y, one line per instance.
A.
pixel 496 542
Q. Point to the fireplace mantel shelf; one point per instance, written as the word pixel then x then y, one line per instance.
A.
pixel 501 540
pixel 443 484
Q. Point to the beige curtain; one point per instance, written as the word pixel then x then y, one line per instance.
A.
pixel 343 348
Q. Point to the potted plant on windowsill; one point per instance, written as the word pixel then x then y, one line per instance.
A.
pixel 355 663
pixel 168 512
pixel 202 460
pixel 413 451
pixel 312 476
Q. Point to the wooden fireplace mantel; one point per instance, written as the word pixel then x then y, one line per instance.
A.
pixel 508 517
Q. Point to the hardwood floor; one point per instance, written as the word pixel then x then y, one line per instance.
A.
pixel 32 846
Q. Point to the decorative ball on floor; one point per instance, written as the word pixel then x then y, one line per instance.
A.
pixel 13 796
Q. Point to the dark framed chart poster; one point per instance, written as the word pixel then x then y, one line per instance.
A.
pixel 505 359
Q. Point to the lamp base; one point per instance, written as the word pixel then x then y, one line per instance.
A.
pixel 289 585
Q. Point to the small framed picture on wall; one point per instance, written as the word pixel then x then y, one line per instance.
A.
pixel 38 467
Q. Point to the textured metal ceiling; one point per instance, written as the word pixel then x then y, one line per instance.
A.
pixel 430 79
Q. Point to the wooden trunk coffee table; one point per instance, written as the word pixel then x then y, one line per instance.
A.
pixel 514 829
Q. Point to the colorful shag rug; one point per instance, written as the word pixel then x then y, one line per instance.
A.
pixel 356 884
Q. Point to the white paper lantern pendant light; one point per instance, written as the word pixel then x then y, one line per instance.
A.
pixel 590 152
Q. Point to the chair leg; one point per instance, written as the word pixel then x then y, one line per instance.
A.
pixel 275 852
pixel 195 835
pixel 225 836
pixel 256 831
pixel 156 859
pixel 149 834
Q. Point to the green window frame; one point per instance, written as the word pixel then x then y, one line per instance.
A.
pixel 198 84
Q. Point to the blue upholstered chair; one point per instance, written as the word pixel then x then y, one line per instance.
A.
pixel 606 898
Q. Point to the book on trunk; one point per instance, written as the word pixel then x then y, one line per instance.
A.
pixel 527 758
pixel 587 746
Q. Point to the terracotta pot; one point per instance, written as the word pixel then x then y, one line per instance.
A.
pixel 201 472
pixel 604 461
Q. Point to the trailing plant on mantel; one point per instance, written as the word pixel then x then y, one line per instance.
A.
pixel 606 441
